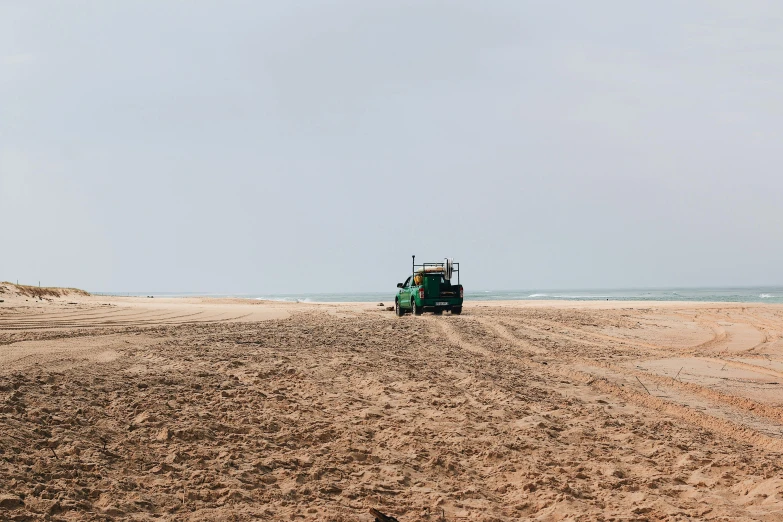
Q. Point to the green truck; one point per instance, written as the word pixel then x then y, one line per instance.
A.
pixel 430 288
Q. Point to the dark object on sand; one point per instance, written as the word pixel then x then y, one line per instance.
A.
pixel 430 288
pixel 380 304
pixel 380 517
pixel 389 308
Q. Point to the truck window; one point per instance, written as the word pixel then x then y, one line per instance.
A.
pixel 407 282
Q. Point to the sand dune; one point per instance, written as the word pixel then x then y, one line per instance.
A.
pixel 199 409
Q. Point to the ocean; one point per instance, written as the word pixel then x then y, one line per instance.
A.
pixel 724 295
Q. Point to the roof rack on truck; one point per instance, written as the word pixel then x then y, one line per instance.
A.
pixel 448 268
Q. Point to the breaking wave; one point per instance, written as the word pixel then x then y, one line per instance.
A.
pixel 284 299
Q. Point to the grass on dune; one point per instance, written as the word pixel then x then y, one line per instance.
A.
pixel 39 291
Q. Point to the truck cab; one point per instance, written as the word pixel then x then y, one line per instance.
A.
pixel 430 288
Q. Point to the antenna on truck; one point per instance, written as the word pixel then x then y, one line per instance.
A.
pixel 413 264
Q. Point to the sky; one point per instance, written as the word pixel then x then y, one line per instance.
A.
pixel 314 146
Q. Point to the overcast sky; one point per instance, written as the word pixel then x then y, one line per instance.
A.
pixel 314 146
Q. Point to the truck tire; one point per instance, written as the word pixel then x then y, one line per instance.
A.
pixel 456 310
pixel 398 309
pixel 415 309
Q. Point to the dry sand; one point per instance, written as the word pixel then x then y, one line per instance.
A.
pixel 203 409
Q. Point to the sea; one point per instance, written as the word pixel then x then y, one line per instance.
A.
pixel 759 294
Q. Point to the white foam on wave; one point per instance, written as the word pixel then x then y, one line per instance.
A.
pixel 285 299
pixel 766 296
pixel 582 296
pixel 570 296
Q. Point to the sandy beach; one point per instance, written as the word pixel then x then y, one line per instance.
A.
pixel 227 409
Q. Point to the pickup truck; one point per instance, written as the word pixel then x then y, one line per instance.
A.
pixel 430 288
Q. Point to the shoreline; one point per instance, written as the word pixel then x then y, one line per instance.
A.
pixel 472 302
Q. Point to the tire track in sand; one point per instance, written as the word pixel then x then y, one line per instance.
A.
pixel 749 406
pixel 558 369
